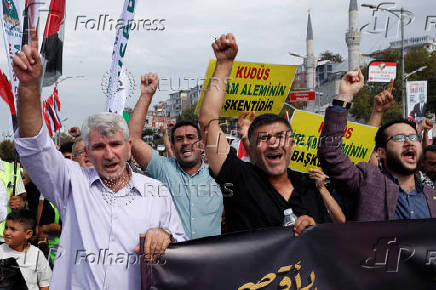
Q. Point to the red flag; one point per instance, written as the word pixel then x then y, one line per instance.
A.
pixel 46 118
pixel 56 96
pixel 53 114
pixel 52 44
pixel 6 93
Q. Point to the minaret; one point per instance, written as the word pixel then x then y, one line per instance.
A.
pixel 352 37
pixel 310 59
pixel 310 63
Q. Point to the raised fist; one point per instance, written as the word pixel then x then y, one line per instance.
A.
pixel 225 48
pixel 75 132
pixel 149 83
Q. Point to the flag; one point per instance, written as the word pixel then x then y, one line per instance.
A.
pixel 12 35
pixel 52 44
pixel 116 96
pixel 47 118
pixel 56 96
pixel 6 92
pixel 52 110
pixel 7 96
pixel 31 18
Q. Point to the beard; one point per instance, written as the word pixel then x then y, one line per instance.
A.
pixel 395 165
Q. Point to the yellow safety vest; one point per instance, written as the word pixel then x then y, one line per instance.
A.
pixel 53 242
pixel 7 176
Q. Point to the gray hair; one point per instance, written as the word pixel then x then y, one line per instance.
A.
pixel 78 139
pixel 107 124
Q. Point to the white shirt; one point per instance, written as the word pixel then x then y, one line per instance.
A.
pixel 33 265
pixel 100 229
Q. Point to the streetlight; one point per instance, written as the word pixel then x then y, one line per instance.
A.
pixel 400 13
pixel 296 55
pixel 414 72
pixel 68 77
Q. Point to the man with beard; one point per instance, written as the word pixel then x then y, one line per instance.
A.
pixel 261 190
pixel 197 197
pixel 429 162
pixel 395 191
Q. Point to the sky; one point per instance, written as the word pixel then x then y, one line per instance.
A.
pixel 181 46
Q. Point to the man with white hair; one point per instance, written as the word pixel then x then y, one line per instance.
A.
pixel 104 209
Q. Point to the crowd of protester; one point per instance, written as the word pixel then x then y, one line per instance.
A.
pixel 108 187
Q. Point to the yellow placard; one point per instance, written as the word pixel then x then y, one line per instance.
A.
pixel 358 141
pixel 258 87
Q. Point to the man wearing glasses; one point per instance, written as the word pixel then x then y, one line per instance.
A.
pixel 256 193
pixel 394 192
pixel 79 154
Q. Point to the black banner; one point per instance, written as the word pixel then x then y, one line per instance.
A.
pixel 375 255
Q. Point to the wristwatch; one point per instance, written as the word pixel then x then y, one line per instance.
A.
pixel 172 240
pixel 341 103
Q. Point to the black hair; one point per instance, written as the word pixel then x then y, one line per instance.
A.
pixel 66 147
pixel 184 123
pixel 431 148
pixel 266 119
pixel 23 216
pixel 381 137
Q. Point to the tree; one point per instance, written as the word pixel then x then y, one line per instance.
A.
pixel 328 55
pixel 362 104
pixel 189 114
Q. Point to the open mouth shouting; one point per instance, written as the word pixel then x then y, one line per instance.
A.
pixel 111 166
pixel 409 155
pixel 274 157
pixel 186 151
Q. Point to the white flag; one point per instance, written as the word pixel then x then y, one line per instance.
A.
pixel 116 98
pixel 12 35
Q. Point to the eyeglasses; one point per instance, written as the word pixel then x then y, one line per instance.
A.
pixel 78 153
pixel 402 138
pixel 268 138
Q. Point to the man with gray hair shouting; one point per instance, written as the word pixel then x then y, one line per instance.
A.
pixel 105 208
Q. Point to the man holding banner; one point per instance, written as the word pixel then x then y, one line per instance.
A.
pixel 263 189
pixel 396 191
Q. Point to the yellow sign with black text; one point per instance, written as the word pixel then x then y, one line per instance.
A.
pixel 358 141
pixel 258 87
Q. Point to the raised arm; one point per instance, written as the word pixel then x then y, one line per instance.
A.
pixel 243 126
pixel 334 162
pixel 166 141
pixel 44 164
pixel 425 126
pixel 141 151
pixel 217 148
pixel 330 203
pixel 382 103
pixel 28 69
